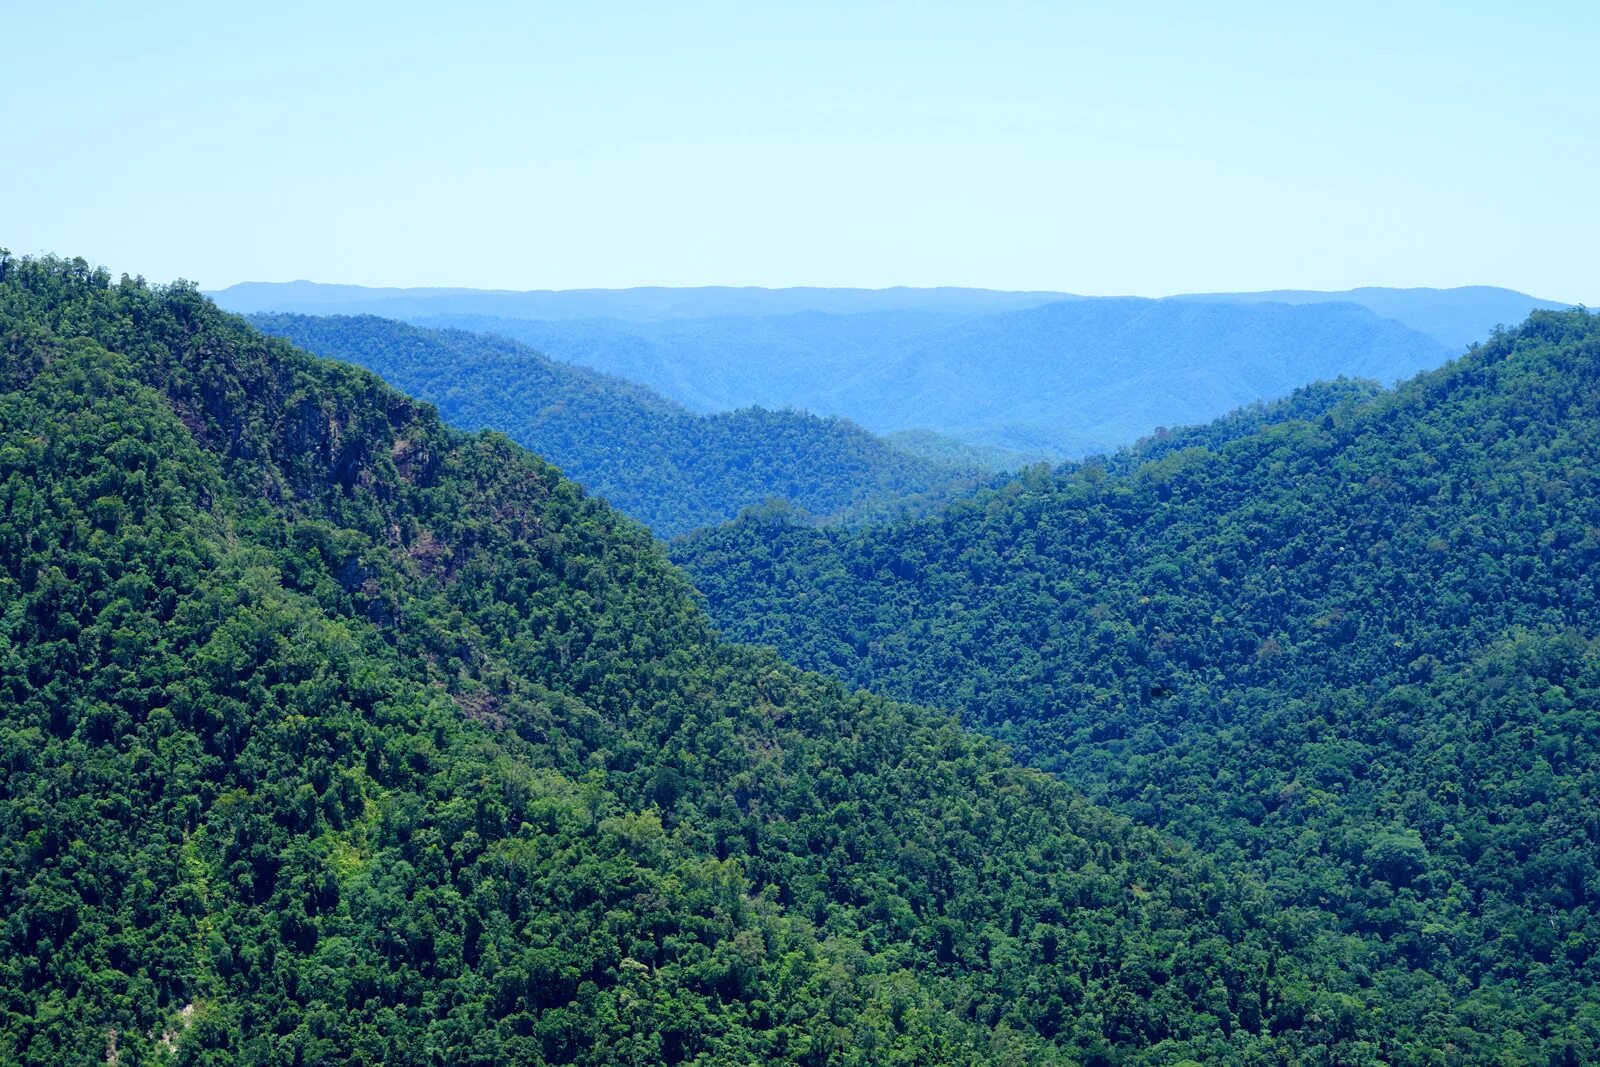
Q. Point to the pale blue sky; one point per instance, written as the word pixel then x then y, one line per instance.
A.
pixel 1117 148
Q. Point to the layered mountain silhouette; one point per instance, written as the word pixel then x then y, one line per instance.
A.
pixel 1028 374
pixel 670 468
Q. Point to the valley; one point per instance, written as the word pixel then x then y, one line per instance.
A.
pixel 1296 711
pixel 799 535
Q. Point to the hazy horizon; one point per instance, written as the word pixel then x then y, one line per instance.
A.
pixel 869 288
pixel 447 287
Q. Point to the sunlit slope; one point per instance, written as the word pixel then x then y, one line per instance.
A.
pixel 333 734
pixel 1356 652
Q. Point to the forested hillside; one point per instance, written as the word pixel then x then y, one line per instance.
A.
pixel 1356 654
pixel 332 734
pixel 673 470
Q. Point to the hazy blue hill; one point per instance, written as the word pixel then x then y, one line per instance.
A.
pixel 1086 376
pixel 1038 374
pixel 1063 379
pixel 1453 317
pixel 670 468
pixel 805 359
pixel 645 303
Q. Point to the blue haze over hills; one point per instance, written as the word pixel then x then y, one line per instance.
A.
pixel 670 468
pixel 1455 317
pixel 642 304
pixel 1038 374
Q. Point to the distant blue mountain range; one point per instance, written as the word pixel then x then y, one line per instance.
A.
pixel 1037 373
pixel 1454 317
pixel 670 468
pixel 644 304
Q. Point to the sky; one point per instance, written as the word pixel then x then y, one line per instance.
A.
pixel 1144 149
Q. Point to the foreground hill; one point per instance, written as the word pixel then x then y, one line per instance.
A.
pixel 335 735
pixel 1066 379
pixel 673 470
pixel 1357 653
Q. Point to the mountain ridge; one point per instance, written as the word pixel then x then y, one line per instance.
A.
pixel 1057 380
pixel 670 468
pixel 301 296
pixel 1142 364
pixel 640 303
pixel 1455 317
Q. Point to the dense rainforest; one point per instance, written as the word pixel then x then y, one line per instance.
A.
pixel 671 469
pixel 332 734
pixel 1349 644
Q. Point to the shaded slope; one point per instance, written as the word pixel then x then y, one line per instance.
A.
pixel 672 470
pixel 332 734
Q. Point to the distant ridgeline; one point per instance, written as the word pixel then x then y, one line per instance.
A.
pixel 332 734
pixel 1349 643
pixel 670 468
pixel 1034 375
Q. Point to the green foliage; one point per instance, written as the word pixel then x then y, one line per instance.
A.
pixel 1352 654
pixel 670 469
pixel 333 735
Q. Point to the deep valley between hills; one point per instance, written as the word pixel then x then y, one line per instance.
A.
pixel 340 726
